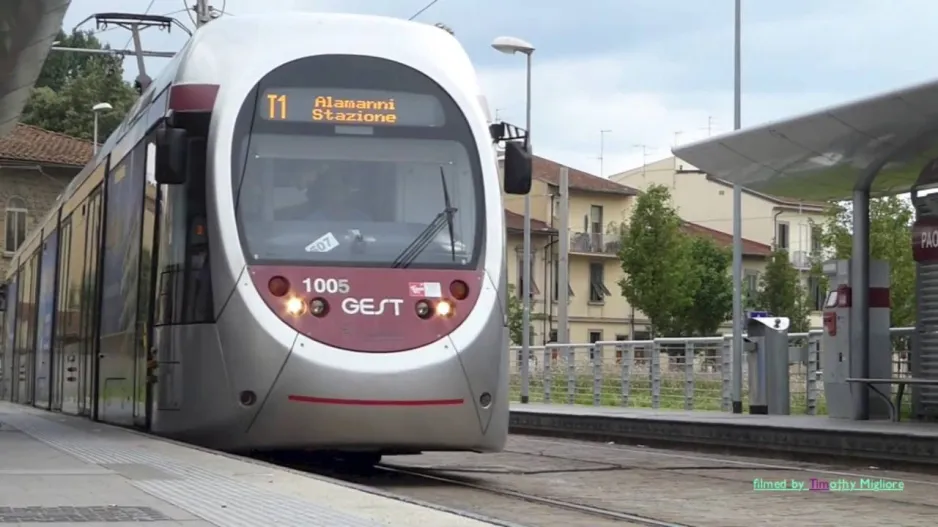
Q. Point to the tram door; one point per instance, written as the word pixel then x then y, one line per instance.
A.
pixel 9 332
pixel 143 414
pixel 120 390
pixel 90 312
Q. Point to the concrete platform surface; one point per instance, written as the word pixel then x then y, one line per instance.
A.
pixel 784 434
pixel 62 470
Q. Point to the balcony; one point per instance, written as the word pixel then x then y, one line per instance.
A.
pixel 801 260
pixel 594 243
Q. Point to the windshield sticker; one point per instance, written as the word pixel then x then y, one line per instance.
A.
pixel 323 244
pixel 425 289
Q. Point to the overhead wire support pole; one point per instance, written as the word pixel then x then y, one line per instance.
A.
pixel 738 229
pixel 134 23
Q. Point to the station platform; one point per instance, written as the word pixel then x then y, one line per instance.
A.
pixel 881 442
pixel 62 470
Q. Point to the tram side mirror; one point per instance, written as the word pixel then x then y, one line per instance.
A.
pixel 518 169
pixel 3 298
pixel 497 131
pixel 171 155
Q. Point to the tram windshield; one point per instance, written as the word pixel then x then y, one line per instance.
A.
pixel 355 199
pixel 377 168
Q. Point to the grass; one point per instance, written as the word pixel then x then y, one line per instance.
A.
pixel 707 394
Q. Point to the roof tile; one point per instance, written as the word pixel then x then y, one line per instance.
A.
pixel 750 247
pixel 33 144
pixel 549 171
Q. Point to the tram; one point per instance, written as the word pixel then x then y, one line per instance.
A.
pixel 295 240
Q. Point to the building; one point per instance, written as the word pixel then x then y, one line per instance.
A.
pixel 768 220
pixel 35 167
pixel 597 207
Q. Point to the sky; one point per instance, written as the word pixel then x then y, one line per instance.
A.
pixel 654 73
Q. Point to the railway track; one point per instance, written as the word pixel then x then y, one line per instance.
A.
pixel 587 510
pixel 466 495
pixel 540 482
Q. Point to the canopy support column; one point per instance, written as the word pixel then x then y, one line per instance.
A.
pixel 860 306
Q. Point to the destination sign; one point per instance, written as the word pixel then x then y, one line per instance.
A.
pixel 344 106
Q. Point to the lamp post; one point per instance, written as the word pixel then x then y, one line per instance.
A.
pixel 96 109
pixel 510 46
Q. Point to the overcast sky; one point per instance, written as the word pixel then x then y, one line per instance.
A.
pixel 651 71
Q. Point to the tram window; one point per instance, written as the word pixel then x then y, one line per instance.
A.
pixel 198 275
pixel 184 285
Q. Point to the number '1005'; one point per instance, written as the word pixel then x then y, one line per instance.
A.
pixel 326 285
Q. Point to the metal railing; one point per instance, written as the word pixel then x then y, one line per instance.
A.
pixel 671 373
pixel 594 243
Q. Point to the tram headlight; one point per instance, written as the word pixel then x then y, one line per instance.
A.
pixel 444 308
pixel 295 306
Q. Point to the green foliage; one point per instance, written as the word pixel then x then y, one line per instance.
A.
pixel 890 234
pixel 713 297
pixel 516 318
pixel 781 292
pixel 680 283
pixel 71 83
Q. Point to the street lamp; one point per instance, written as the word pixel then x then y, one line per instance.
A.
pixel 96 109
pixel 510 46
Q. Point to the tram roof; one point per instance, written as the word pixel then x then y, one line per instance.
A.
pixel 824 155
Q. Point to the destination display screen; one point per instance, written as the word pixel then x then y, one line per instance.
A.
pixel 343 106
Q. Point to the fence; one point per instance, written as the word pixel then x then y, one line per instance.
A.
pixel 671 373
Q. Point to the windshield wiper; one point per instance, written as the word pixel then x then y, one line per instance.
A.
pixel 423 240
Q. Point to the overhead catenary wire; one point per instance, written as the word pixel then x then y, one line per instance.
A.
pixel 424 8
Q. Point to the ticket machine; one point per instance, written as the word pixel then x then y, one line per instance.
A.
pixel 767 364
pixel 838 360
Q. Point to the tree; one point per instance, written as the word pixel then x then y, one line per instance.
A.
pixel 781 293
pixel 63 67
pixel 890 234
pixel 659 278
pixel 516 318
pixel 71 83
pixel 713 297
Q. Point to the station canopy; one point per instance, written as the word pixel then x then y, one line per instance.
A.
pixel 27 30
pixel 824 155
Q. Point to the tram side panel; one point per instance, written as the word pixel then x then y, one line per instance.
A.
pixel 45 316
pixel 9 334
pixel 26 329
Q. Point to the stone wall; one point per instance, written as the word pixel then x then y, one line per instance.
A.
pixel 38 188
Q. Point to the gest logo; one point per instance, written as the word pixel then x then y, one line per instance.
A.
pixel 371 306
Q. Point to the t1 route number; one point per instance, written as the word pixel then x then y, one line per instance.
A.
pixel 327 285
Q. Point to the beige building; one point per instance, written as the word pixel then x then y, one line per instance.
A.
pixel 35 167
pixel 597 309
pixel 769 220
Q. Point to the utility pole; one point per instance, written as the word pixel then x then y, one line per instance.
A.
pixel 737 383
pixel 602 145
pixel 563 267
